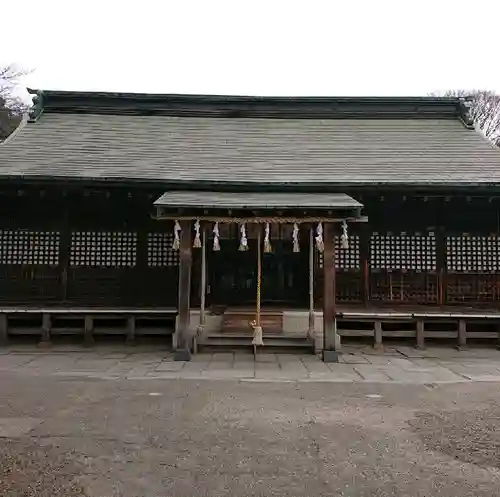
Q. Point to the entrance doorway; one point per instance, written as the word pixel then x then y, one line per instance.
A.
pixel 284 281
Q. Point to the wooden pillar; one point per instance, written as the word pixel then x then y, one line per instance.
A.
pixel 331 341
pixel 183 350
pixel 365 262
pixel 462 334
pixel 130 340
pixel 65 251
pixel 420 334
pixel 311 283
pixel 441 265
pixel 203 277
pixel 88 331
pixel 3 329
pixel 259 282
pixel 441 251
pixel 46 327
pixel 378 335
pixel 203 288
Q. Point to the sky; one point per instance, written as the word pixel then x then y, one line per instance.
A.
pixel 255 47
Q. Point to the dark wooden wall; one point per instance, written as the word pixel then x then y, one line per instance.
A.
pixel 442 250
pixel 84 247
pixel 77 246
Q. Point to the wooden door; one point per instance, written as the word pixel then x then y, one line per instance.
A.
pixel 284 280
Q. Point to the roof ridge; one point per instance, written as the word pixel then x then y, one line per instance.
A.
pixel 229 106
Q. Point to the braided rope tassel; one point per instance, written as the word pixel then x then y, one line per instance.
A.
pixel 295 237
pixel 215 231
pixel 257 335
pixel 197 240
pixel 176 245
pixel 319 238
pixel 267 242
pixel 243 240
pixel 344 238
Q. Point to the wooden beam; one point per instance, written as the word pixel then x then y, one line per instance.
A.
pixel 331 341
pixel 183 351
pixel 264 219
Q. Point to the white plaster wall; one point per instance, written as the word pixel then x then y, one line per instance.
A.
pixel 213 322
pixel 295 322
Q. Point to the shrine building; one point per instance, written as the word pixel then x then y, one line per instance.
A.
pixel 259 222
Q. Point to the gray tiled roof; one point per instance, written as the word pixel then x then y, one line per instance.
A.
pixel 263 200
pixel 162 148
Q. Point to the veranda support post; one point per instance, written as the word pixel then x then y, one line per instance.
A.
pixel 183 350
pixel 331 341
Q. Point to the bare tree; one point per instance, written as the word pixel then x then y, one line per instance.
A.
pixel 484 110
pixel 12 106
pixel 10 77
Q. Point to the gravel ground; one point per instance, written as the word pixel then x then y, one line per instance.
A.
pixel 96 438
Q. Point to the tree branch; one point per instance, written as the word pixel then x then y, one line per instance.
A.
pixel 484 110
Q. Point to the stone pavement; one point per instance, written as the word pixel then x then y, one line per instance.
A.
pixel 358 364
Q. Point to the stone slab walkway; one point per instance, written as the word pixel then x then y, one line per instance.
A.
pixel 391 365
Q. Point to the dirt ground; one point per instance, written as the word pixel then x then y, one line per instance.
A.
pixel 92 437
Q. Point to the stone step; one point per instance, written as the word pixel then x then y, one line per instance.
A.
pixel 244 335
pixel 276 342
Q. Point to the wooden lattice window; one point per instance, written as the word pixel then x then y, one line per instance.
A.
pixel 29 247
pixel 469 253
pixel 160 252
pixel 346 259
pixel 405 252
pixel 112 249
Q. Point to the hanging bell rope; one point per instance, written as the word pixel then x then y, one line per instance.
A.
pixel 320 245
pixel 257 328
pixel 312 318
pixel 267 242
pixel 203 282
pixel 215 231
pixel 344 238
pixel 197 240
pixel 295 237
pixel 243 239
pixel 176 245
